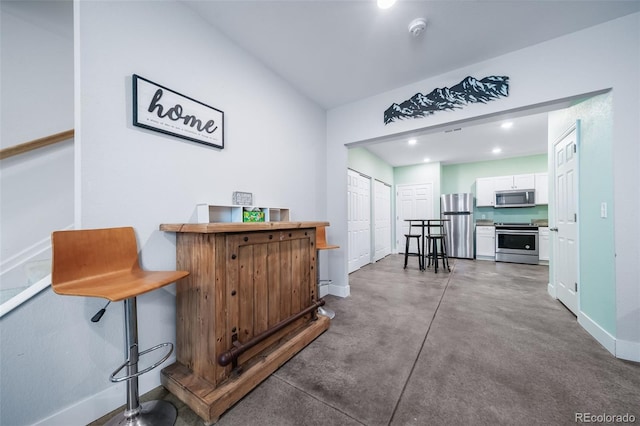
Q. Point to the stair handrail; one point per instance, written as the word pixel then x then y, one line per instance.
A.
pixel 35 144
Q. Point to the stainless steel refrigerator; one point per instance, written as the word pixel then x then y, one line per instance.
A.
pixel 458 208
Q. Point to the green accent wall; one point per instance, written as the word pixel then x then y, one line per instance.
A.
pixel 462 178
pixel 363 161
pixel 596 245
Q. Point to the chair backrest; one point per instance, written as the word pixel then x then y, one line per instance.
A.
pixel 414 226
pixel 83 253
pixel 436 228
pixel 321 239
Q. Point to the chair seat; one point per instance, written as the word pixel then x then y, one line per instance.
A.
pixel 119 285
pixel 102 263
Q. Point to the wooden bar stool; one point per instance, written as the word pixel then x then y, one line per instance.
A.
pixel 321 244
pixel 104 263
pixel 418 237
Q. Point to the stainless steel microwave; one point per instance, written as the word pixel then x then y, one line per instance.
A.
pixel 515 198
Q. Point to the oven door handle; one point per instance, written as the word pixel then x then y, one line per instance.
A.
pixel 514 232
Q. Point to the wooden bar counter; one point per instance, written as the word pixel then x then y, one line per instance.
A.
pixel 246 280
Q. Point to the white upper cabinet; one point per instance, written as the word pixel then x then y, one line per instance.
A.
pixel 503 183
pixel 485 189
pixel 542 188
pixel 524 181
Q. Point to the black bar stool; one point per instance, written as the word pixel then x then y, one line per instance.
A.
pixel 436 244
pixel 408 237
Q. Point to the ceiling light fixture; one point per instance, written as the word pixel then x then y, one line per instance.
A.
pixel 412 141
pixel 385 4
pixel 417 26
pixel 496 150
pixel 426 160
pixel 507 125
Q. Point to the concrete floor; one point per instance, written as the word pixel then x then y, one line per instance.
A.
pixel 482 344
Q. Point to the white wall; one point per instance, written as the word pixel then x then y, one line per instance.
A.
pixel 37 36
pixel 274 147
pixel 579 63
pixel 37 187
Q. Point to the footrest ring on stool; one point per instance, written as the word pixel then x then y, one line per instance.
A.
pixel 115 379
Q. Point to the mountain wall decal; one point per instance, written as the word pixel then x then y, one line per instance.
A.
pixel 468 91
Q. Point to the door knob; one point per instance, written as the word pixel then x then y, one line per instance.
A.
pixel 553 229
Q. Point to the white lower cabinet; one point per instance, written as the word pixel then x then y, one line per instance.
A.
pixel 485 242
pixel 543 244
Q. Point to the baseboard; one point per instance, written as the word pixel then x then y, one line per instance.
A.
pixel 339 290
pixel 601 335
pixel 96 406
pixel 628 350
pixel 551 289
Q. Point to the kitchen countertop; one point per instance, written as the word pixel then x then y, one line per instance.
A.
pixel 534 222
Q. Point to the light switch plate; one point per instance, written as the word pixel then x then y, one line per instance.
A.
pixel 603 210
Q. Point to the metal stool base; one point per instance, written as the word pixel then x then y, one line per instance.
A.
pixel 326 312
pixel 152 413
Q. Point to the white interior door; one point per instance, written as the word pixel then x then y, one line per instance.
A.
pixel 566 200
pixel 412 202
pixel 382 214
pixel 359 220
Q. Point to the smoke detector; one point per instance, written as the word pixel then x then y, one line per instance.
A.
pixel 417 26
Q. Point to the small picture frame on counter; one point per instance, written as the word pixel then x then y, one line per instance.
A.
pixel 242 198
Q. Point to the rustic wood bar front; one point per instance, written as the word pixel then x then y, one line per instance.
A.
pixel 248 305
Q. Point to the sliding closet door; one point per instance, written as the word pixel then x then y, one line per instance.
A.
pixel 382 214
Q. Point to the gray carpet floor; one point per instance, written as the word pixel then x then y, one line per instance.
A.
pixel 483 344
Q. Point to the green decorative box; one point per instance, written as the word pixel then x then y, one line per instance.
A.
pixel 251 216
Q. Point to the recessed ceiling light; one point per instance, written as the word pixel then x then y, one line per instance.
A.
pixel 507 125
pixel 385 4
pixel 496 150
pixel 426 160
pixel 412 142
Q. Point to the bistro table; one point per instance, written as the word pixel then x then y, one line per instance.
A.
pixel 426 225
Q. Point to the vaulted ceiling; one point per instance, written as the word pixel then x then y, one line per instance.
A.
pixel 340 51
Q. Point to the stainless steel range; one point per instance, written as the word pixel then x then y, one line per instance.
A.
pixel 517 243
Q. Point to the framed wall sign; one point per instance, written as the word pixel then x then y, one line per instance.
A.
pixel 166 111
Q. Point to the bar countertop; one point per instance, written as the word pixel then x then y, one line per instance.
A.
pixel 222 227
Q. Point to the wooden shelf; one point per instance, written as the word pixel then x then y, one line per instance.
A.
pixel 207 213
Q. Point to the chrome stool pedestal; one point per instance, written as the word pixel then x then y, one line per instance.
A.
pixel 152 413
pixel 321 283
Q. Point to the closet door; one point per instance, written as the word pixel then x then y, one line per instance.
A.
pixel 359 219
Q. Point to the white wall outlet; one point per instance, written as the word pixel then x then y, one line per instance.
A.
pixel 603 210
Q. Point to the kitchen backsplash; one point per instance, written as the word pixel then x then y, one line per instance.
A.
pixel 511 215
